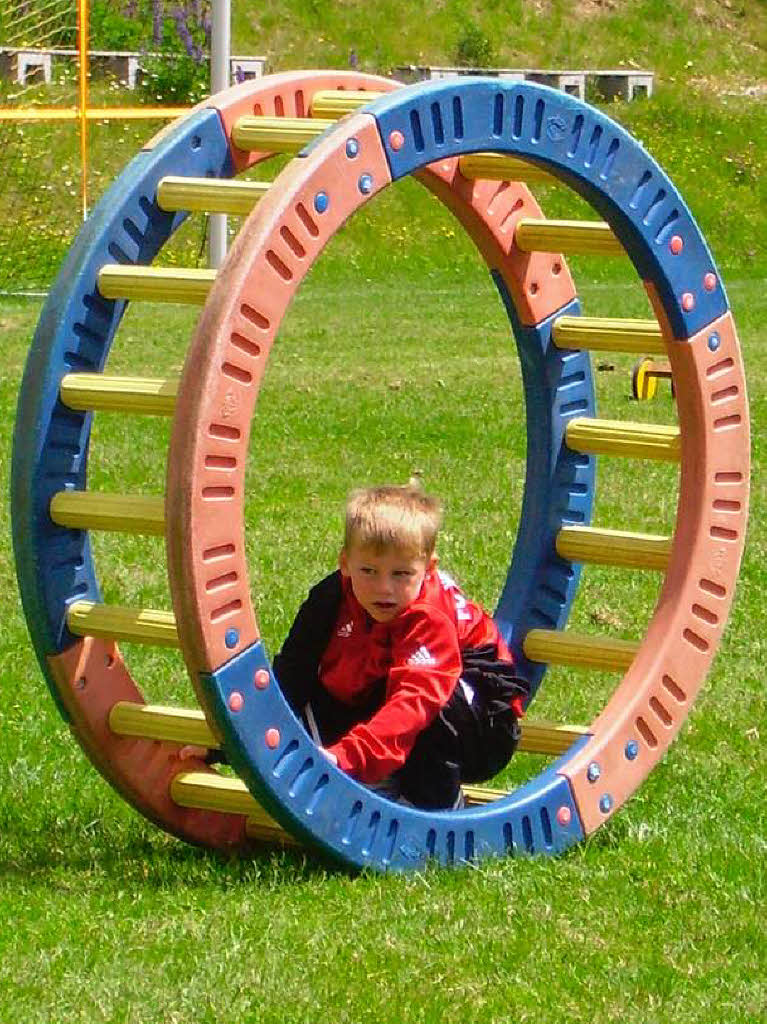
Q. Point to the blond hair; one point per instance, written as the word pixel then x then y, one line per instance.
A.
pixel 404 518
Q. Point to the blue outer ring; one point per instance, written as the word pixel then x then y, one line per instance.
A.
pixel 601 161
pixel 54 564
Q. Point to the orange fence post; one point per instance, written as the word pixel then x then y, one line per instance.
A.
pixel 82 38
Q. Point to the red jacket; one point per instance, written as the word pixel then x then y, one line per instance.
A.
pixel 419 655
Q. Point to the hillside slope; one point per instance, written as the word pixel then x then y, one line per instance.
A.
pixel 685 40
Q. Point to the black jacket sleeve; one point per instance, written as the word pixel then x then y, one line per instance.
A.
pixel 297 664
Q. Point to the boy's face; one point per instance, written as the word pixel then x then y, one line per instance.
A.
pixel 384 583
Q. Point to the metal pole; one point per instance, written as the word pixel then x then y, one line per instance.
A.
pixel 82 46
pixel 220 46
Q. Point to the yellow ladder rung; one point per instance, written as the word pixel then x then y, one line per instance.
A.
pixel 158 722
pixel 115 622
pixel 603 334
pixel 210 195
pixel 157 284
pixel 145 395
pixel 277 134
pixel 332 104
pixel 613 547
pixel 188 725
pixel 497 167
pixel 566 236
pixel 629 440
pixel 120 513
pixel 548 737
pixel 563 647
pixel 207 791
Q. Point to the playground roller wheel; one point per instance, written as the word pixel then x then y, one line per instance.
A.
pixel 436 127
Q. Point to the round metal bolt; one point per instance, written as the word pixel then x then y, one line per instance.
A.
pixel 593 772
pixel 321 202
pixel 606 803
pixel 714 341
pixel 352 148
pixel 231 638
pixel 365 184
pixel 632 749
pixel 564 816
pixel 261 679
pixel 235 701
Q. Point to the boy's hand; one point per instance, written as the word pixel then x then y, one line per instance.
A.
pixel 330 756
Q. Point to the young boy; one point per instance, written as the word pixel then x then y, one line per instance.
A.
pixel 405 684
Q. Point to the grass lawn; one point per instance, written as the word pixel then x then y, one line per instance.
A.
pixel 660 917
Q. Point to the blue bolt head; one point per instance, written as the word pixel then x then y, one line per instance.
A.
pixel 231 638
pixel 352 148
pixel 632 749
pixel 366 184
pixel 593 772
pixel 606 803
pixel 714 341
pixel 321 202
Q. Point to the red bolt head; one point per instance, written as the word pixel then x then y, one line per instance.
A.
pixel 676 245
pixel 396 140
pixel 261 679
pixel 564 816
pixel 235 701
pixel 272 738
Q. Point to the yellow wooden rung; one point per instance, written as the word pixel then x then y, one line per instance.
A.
pixel 566 236
pixel 559 647
pixel 145 395
pixel 114 622
pixel 334 103
pixel 210 792
pixel 630 440
pixel 602 334
pixel 188 725
pixel 210 195
pixel 548 737
pixel 120 513
pixel 207 791
pixel 158 284
pixel 613 547
pixel 497 167
pixel 157 722
pixel 277 134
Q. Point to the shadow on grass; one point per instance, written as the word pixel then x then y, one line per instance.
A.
pixel 55 848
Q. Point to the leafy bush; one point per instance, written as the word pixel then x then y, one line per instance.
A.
pixel 174 78
pixel 110 30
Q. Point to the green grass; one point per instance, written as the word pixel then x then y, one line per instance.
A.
pixel 658 918
pixel 701 126
pixel 396 356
